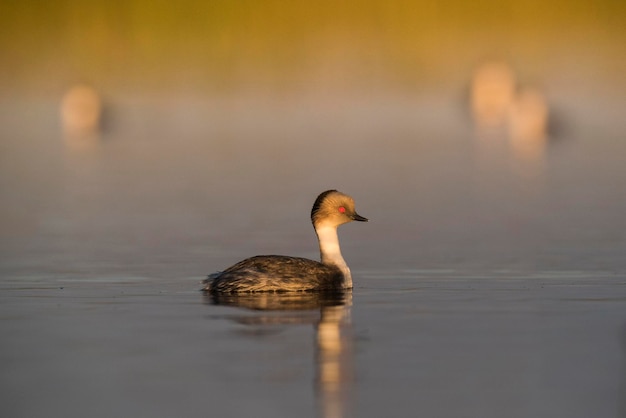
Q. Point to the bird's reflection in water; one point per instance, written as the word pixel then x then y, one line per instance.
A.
pixel 334 360
pixel 330 315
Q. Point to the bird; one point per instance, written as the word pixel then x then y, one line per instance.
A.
pixel 279 273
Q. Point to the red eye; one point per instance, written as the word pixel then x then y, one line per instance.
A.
pixel 342 209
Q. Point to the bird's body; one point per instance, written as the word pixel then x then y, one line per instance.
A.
pixel 276 273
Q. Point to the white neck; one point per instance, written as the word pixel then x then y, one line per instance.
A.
pixel 330 253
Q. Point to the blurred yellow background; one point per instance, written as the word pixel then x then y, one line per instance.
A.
pixel 278 47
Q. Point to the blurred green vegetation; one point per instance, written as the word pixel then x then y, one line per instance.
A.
pixel 221 45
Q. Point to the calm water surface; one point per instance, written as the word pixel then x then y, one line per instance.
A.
pixel 488 284
pixel 432 343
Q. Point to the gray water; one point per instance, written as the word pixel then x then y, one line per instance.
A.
pixel 487 284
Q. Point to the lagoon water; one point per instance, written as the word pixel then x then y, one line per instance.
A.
pixel 488 282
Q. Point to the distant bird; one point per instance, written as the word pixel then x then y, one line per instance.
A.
pixel 81 111
pixel 492 92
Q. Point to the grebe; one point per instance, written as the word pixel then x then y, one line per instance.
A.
pixel 278 273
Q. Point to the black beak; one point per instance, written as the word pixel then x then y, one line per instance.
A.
pixel 358 217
